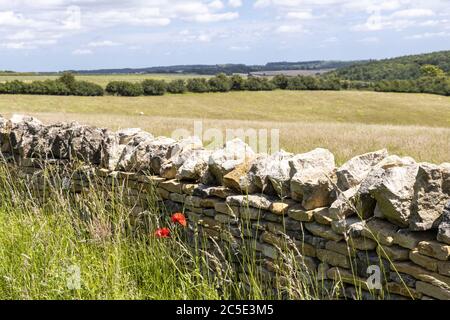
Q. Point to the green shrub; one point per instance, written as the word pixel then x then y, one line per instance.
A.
pixel 87 89
pixel 296 83
pixel 220 83
pixel 198 85
pixel 237 83
pixel 125 89
pixel 259 84
pixel 154 87
pixel 15 87
pixel 280 81
pixel 68 79
pixel 177 86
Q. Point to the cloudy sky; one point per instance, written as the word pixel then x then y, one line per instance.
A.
pixel 47 35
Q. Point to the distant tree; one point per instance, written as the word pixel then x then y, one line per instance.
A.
pixel 198 85
pixel 237 82
pixel 220 83
pixel 68 79
pixel 280 81
pixel 124 88
pixel 87 89
pixel 429 70
pixel 154 87
pixel 259 84
pixel 177 86
pixel 296 83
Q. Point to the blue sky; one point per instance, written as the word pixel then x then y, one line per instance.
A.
pixel 50 35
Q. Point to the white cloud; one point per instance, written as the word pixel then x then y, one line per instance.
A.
pixel 215 17
pixel 290 29
pixel 216 5
pixel 428 35
pixel 301 15
pixel 413 13
pixel 370 40
pixel 104 43
pixel 82 52
pixel 239 48
pixel 235 3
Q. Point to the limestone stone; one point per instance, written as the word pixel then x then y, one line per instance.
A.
pixel 410 239
pixel 354 171
pixel 433 291
pixel 210 202
pixel 281 208
pixel 423 261
pixel 312 175
pixel 394 191
pixel 172 186
pixel 422 274
pixel 340 247
pixel 444 226
pixel 179 152
pixel 429 197
pixel 361 243
pixel 351 226
pixel 323 231
pixel 340 274
pixel 133 156
pixel 344 205
pixel 366 259
pixel 272 173
pixel 435 249
pixel 225 218
pixel 223 161
pixel 269 251
pixel 224 208
pixel 393 253
pixel 255 201
pixel 396 288
pixel 249 213
pixel 20 135
pixel 333 258
pixel 193 201
pixel 306 249
pixel 322 216
pixel 221 192
pixel 176 197
pixel 299 213
pixel 195 165
pixel 403 279
pixel 188 188
pixel 444 268
pixel 209 223
pixel 240 178
pixel 380 230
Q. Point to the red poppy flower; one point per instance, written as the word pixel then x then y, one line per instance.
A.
pixel 179 218
pixel 162 233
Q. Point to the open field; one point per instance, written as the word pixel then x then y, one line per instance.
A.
pixel 348 123
pixel 102 80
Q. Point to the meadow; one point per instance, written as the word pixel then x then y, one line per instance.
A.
pixel 346 122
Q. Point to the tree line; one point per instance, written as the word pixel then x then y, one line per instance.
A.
pixel 432 80
pixel 65 85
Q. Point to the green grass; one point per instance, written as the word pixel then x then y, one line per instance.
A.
pixel 102 80
pixel 45 240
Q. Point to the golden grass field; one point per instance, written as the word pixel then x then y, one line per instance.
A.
pixel 346 122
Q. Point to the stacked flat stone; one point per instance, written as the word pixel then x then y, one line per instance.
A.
pixel 376 209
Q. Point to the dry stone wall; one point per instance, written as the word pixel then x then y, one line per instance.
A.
pixel 376 209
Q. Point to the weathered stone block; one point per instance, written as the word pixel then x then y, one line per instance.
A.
pixel 333 258
pixel 323 231
pixel 435 249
